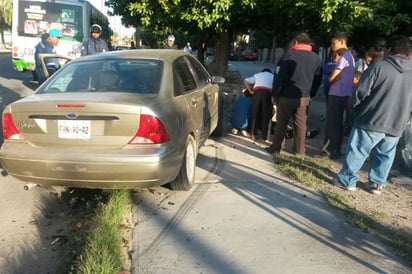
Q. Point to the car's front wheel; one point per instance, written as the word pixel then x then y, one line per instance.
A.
pixel 186 176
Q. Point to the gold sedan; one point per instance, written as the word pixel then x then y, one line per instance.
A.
pixel 123 119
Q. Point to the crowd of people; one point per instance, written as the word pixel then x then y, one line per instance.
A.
pixel 368 95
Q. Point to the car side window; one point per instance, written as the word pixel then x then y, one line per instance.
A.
pixel 183 81
pixel 203 77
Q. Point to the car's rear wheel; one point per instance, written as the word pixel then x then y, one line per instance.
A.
pixel 186 176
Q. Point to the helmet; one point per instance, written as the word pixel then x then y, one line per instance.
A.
pixel 95 28
pixel 171 38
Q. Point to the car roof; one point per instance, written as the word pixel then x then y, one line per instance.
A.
pixel 167 55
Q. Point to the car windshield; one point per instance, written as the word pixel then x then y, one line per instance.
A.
pixel 115 75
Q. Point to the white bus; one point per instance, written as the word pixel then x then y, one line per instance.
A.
pixel 32 19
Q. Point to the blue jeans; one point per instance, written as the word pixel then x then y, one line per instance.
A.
pixel 360 144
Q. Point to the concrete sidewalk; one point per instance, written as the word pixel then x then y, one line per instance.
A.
pixel 242 216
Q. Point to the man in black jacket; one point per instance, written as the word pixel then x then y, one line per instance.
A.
pixel 298 80
pixel 94 44
pixel 383 104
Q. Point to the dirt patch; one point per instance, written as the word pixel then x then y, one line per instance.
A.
pixel 393 207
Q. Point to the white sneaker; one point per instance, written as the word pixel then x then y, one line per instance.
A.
pixel 376 189
pixel 337 183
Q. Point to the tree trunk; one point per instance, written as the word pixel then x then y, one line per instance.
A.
pixel 219 64
pixel 3 42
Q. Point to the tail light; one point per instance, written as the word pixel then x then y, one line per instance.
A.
pixel 151 131
pixel 10 131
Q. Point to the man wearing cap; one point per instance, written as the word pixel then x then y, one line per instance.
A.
pixel 170 43
pixel 47 45
pixel 94 44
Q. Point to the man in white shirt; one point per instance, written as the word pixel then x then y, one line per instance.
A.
pixel 260 85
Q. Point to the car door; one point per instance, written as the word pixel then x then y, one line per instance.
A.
pixel 210 94
pixel 47 58
pixel 186 89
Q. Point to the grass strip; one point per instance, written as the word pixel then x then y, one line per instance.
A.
pixel 96 244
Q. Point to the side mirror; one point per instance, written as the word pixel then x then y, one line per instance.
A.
pixel 218 79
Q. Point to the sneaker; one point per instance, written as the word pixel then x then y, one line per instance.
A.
pixel 337 183
pixel 245 133
pixel 313 133
pixel 375 189
pixel 350 188
pixel 272 150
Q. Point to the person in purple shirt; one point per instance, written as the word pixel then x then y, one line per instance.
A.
pixel 340 92
pixel 327 70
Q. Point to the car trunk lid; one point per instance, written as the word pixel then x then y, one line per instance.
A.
pixel 105 121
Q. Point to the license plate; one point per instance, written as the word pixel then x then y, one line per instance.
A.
pixel 69 129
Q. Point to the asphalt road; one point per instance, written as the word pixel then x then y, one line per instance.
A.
pixel 30 220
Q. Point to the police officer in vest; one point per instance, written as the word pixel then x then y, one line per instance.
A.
pixel 94 44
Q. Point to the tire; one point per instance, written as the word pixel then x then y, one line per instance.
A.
pixel 186 176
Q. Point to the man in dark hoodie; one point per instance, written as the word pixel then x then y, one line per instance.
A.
pixel 383 103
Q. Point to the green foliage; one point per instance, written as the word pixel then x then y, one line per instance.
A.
pixel 102 253
pixel 381 15
pixel 264 38
pixel 269 19
pixel 320 18
pixel 6 14
pixel 279 17
pixel 94 244
pixel 183 16
pixel 306 170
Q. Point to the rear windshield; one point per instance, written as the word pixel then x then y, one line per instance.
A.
pixel 116 75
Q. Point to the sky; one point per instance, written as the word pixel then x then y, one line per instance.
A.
pixel 115 22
